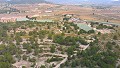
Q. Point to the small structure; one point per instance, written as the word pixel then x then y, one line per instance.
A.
pixel 48 11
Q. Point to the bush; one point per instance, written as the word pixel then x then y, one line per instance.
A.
pixel 23 67
pixel 24 57
pixel 32 59
pixel 42 66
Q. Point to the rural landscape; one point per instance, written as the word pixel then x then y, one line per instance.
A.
pixel 59 34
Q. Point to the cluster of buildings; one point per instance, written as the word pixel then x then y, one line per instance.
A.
pixel 80 23
pixel 86 25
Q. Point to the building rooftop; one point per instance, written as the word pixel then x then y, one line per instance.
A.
pixel 46 20
pixel 26 19
pixel 84 26
pixel 22 19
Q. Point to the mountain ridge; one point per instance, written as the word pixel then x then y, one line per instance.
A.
pixel 105 2
pixel 83 1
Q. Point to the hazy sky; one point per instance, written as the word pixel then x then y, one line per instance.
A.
pixel 81 0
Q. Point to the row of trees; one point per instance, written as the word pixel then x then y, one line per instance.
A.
pixel 101 26
pixel 60 39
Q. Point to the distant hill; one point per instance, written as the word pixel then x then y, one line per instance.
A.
pixel 96 2
pixel 79 1
pixel 26 1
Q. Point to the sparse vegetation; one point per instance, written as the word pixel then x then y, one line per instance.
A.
pixel 61 42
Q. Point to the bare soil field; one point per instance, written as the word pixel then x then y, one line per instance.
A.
pixel 111 14
pixel 88 13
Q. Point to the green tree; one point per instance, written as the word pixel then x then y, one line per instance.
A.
pixel 29 49
pixel 5 65
pixel 73 64
pixel 115 37
pixel 24 57
pixel 58 39
pixel 52 49
pixel 70 50
pixel 9 58
pixel 36 51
